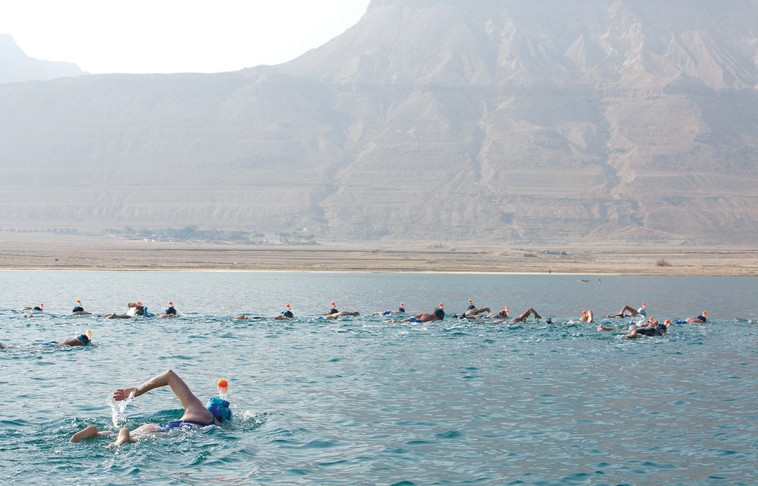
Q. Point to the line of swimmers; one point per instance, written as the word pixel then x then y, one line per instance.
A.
pixel 134 310
pixel 471 312
pixel 651 327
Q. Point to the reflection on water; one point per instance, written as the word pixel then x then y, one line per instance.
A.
pixel 364 400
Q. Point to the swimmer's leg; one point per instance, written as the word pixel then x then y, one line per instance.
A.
pixel 87 433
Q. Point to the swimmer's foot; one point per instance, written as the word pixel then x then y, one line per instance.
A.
pixel 123 438
pixel 87 433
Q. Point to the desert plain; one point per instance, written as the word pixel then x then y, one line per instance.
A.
pixel 36 251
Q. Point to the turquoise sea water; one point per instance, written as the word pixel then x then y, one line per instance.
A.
pixel 367 401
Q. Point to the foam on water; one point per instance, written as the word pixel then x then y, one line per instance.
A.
pixel 118 408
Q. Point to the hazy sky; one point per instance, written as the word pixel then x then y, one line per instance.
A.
pixel 162 36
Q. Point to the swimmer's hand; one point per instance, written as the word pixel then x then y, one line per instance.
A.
pixel 123 393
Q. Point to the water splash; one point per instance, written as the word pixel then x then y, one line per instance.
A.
pixel 117 408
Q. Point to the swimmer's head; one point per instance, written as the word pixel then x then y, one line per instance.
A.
pixel 84 339
pixel 220 409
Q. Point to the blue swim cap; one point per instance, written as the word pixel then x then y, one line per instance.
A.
pixel 220 409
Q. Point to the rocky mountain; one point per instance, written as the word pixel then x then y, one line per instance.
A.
pixel 429 120
pixel 16 66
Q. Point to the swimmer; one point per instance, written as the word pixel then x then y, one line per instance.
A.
pixel 141 310
pixel 36 308
pixel 78 310
pixel 502 314
pixel 656 330
pixel 437 315
pixel 474 311
pixel 195 414
pixel 286 314
pixel 335 314
pixel 131 312
pixel 170 312
pixel 627 311
pixel 587 316
pixel 523 317
pixel 400 310
pixel 701 319
pixel 82 340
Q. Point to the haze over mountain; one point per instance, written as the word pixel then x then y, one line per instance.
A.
pixel 447 120
pixel 16 66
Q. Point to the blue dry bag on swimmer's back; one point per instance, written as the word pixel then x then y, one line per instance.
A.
pixel 220 409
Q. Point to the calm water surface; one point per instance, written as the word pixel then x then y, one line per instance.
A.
pixel 367 401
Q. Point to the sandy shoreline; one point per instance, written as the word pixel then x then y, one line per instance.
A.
pixel 55 252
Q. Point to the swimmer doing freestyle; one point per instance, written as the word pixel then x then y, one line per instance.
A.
pixel 286 314
pixel 195 414
pixel 651 328
pixel 170 311
pixel 78 310
pixel 82 340
pixel 627 311
pixel 473 311
pixel 335 314
pixel 437 315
